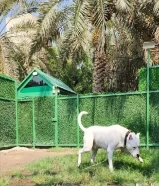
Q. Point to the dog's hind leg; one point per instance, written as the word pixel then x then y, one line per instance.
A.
pixel 94 152
pixel 87 146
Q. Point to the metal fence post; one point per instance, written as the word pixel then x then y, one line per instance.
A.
pixel 77 121
pixel 34 129
pixel 16 110
pixel 147 46
pixel 56 117
pixel 148 99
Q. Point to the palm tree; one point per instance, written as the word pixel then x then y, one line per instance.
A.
pixel 143 24
pixel 81 27
pixel 77 22
pixel 12 53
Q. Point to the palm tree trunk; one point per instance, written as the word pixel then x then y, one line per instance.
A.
pixel 99 70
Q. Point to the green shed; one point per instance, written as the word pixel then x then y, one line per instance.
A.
pixel 38 83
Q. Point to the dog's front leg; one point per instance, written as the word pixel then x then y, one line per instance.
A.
pixel 110 157
pixel 79 156
pixel 80 152
pixel 94 152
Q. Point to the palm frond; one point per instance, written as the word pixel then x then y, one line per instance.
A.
pixel 12 7
pixel 79 18
pixel 24 25
pixel 48 27
pixel 123 5
pixel 6 5
pixel 48 18
pixel 33 5
pixel 16 7
pixel 71 46
pixel 99 20
pixel 68 45
pixel 156 8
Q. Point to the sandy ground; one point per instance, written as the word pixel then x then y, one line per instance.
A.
pixel 16 158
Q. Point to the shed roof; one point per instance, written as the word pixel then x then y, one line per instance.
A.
pixel 51 81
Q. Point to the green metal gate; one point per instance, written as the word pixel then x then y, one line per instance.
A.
pixel 36 122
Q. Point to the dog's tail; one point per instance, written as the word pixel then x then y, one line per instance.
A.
pixel 79 120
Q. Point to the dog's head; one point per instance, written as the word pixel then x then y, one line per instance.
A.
pixel 132 145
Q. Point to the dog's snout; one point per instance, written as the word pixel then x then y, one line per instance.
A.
pixel 137 155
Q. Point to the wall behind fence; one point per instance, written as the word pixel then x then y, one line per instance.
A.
pixel 8 108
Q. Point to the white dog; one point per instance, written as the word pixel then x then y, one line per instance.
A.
pixel 108 138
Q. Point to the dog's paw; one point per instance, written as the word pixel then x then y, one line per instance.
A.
pixel 92 162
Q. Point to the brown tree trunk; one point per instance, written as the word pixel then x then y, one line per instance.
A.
pixel 99 71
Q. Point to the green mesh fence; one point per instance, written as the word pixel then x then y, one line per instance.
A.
pixel 7 111
pixel 44 124
pixel 7 87
pixel 7 123
pixel 37 120
pixel 67 121
pixel 87 104
pixel 154 79
pixel 126 110
pixel 154 118
pixel 25 122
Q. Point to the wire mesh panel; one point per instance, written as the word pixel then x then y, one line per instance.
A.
pixel 67 121
pixel 154 79
pixel 134 115
pixel 87 104
pixel 7 123
pixel 7 88
pixel 154 118
pixel 25 122
pixel 126 110
pixel 44 121
pixel 7 111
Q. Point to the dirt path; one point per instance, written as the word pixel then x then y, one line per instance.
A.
pixel 15 159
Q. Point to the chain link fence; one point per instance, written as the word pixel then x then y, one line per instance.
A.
pixel 8 110
pixel 52 120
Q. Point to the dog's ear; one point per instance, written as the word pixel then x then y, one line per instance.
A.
pixel 138 134
pixel 130 137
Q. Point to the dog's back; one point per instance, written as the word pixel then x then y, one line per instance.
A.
pixel 104 135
